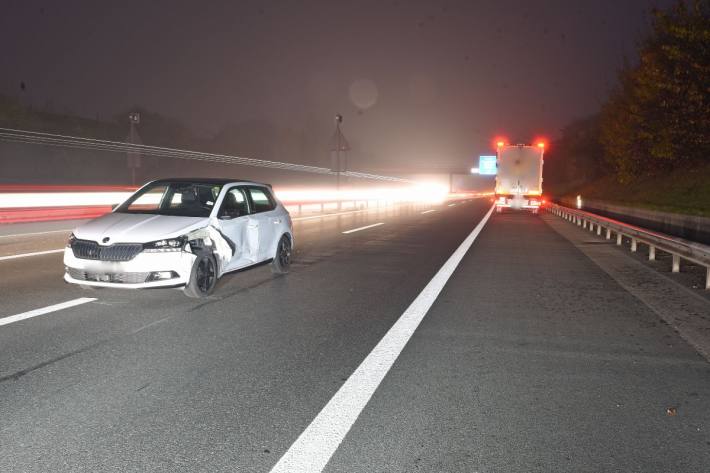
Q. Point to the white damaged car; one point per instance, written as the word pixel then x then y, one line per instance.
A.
pixel 181 232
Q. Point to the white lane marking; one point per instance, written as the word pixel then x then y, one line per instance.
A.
pixel 363 228
pixel 36 233
pixel 451 205
pixel 329 215
pixel 428 211
pixel 312 450
pixel 35 253
pixel 45 310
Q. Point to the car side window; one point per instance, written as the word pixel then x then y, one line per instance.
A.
pixel 234 204
pixel 261 199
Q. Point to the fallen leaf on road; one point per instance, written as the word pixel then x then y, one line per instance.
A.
pixel 671 411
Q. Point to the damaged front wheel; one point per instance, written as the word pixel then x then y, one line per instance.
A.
pixel 203 277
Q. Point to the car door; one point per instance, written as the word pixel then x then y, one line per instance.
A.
pixel 265 219
pixel 234 220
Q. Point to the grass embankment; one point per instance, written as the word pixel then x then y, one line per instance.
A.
pixel 685 191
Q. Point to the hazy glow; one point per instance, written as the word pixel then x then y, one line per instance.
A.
pixel 423 192
pixel 60 199
pixel 363 93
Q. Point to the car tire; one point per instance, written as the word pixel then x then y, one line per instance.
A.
pixel 282 259
pixel 203 276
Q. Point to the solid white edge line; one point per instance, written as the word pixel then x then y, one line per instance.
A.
pixel 45 310
pixel 36 233
pixel 363 228
pixel 25 255
pixel 428 211
pixel 315 446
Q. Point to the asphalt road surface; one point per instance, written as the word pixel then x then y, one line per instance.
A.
pixel 531 358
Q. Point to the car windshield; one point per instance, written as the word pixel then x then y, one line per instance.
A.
pixel 182 199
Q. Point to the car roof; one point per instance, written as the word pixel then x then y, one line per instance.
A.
pixel 211 180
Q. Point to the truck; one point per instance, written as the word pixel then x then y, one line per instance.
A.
pixel 519 177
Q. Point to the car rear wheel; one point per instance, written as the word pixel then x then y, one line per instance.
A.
pixel 282 259
pixel 203 277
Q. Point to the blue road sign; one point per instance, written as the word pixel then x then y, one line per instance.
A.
pixel 487 165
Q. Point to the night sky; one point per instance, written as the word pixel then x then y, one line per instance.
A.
pixel 422 84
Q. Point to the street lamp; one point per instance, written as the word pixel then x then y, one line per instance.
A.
pixel 339 144
pixel 134 157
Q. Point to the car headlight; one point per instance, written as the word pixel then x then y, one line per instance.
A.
pixel 71 240
pixel 166 245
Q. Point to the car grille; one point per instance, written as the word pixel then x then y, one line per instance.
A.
pixel 120 278
pixel 86 249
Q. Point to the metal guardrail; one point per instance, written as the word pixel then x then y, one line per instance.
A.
pixel 678 248
pixel 347 204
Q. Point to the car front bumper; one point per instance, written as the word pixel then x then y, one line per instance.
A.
pixel 129 274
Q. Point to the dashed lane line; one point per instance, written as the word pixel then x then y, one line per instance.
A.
pixel 363 228
pixel 34 253
pixel 45 310
pixel 36 233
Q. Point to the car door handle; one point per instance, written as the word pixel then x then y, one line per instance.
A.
pixel 277 221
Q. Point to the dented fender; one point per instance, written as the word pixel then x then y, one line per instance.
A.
pixel 211 238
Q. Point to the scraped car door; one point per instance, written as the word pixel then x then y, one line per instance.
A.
pixel 233 217
pixel 265 219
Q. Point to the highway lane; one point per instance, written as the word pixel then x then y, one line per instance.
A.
pixel 531 359
pixel 152 380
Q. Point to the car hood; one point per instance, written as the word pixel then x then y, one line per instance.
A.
pixel 137 228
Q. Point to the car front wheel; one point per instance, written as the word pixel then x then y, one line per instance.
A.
pixel 282 259
pixel 203 277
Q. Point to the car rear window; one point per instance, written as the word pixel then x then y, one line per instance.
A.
pixel 262 199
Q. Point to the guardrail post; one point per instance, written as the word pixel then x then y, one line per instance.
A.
pixel 619 238
pixel 608 233
pixel 676 264
pixel 651 253
pixel 599 229
pixel 579 221
pixel 584 223
pixel 633 245
pixel 707 278
pixel 299 209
